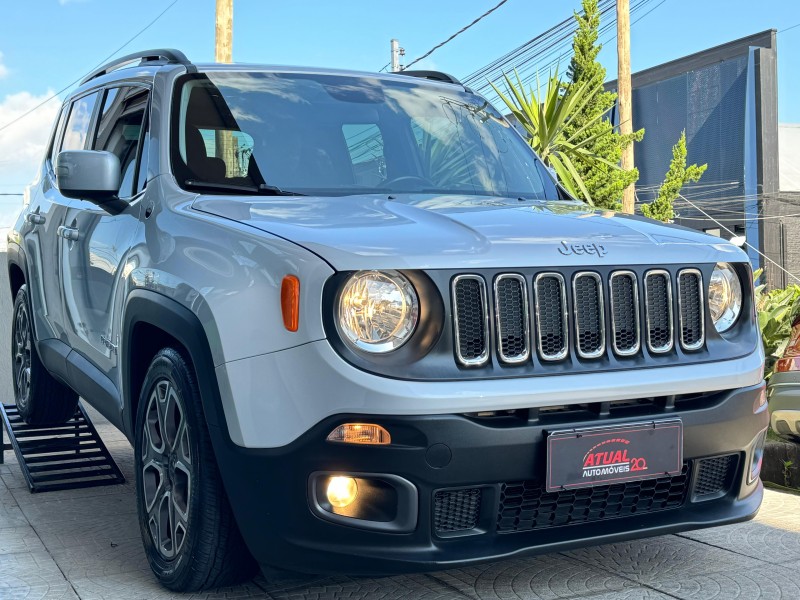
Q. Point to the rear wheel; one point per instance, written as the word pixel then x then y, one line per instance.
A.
pixel 40 398
pixel 190 537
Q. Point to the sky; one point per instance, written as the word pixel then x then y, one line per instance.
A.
pixel 46 44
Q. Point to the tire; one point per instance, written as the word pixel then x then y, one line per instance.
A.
pixel 189 533
pixel 41 399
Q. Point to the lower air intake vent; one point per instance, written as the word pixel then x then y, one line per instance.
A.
pixel 456 510
pixel 525 505
pixel 714 476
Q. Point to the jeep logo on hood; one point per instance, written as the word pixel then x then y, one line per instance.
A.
pixel 579 249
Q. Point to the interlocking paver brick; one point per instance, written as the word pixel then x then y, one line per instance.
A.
pixel 14 540
pixel 780 582
pixel 660 558
pixel 549 576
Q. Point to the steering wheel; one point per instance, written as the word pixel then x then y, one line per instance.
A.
pixel 404 183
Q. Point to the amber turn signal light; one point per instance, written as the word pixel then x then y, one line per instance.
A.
pixel 360 433
pixel 290 302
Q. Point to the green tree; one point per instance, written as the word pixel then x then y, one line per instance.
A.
pixel 548 119
pixel 678 175
pixel 604 181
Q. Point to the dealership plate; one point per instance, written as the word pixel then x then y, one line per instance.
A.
pixel 579 458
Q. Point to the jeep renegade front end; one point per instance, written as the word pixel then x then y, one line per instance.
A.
pixel 350 322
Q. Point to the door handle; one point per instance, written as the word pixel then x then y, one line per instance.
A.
pixel 36 219
pixel 69 233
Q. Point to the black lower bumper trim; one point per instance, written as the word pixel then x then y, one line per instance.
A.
pixel 268 490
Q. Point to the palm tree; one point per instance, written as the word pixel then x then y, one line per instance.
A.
pixel 546 119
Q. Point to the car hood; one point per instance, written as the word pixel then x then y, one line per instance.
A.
pixel 417 231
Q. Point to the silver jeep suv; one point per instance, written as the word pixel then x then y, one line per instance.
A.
pixel 350 322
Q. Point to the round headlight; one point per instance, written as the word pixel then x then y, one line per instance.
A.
pixel 378 310
pixel 724 296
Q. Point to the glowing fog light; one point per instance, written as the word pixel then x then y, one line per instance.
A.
pixel 342 491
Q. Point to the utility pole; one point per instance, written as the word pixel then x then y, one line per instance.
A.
pixel 226 144
pixel 624 94
pixel 223 49
pixel 397 52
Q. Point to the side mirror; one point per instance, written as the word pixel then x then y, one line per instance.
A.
pixel 90 175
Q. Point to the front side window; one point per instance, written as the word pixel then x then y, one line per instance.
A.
pixel 56 133
pixel 336 135
pixel 119 131
pixel 80 117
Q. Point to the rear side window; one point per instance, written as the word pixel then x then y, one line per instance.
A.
pixel 80 117
pixel 365 145
pixel 227 152
pixel 120 131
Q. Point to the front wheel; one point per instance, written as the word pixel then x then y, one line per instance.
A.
pixel 40 398
pixel 190 537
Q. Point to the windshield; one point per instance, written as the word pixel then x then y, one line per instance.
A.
pixel 335 135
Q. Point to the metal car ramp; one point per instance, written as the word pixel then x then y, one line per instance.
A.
pixel 59 457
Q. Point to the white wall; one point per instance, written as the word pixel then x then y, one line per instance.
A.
pixel 789 156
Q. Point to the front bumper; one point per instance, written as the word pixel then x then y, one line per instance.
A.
pixel 271 400
pixel 270 493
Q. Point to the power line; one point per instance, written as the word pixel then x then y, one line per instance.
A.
pixel 525 51
pixel 555 44
pixel 456 34
pixel 756 250
pixel 101 63
pixel 789 28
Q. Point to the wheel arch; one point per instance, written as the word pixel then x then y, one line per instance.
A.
pixel 17 269
pixel 151 322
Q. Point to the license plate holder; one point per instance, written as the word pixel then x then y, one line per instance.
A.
pixel 592 456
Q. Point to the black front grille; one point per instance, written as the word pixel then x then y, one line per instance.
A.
pixel 587 315
pixel 551 304
pixel 590 333
pixel 469 297
pixel 624 313
pixel 526 506
pixel 658 293
pixel 511 309
pixel 456 510
pixel 715 476
pixel 690 298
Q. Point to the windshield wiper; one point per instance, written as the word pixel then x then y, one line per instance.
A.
pixel 262 190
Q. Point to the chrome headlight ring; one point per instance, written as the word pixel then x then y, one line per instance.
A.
pixel 724 296
pixel 378 311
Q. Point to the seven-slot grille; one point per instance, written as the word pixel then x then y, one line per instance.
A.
pixel 658 308
pixel 553 322
pixel 690 293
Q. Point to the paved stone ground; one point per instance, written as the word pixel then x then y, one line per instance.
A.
pixel 86 544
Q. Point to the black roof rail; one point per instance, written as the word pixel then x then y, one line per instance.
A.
pixel 433 75
pixel 167 55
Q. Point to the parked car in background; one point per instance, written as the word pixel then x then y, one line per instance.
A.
pixel 350 323
pixel 784 389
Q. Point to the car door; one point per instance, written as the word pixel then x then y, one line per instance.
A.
pixel 46 215
pixel 93 260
